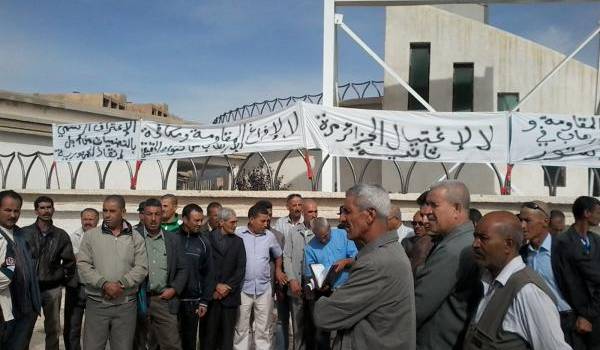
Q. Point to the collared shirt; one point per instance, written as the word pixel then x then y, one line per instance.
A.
pixel 532 315
pixel 157 262
pixel 339 247
pixel 286 226
pixel 404 232
pixel 259 250
pixel 76 237
pixel 540 261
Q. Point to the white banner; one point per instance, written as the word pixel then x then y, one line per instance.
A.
pixel 283 130
pixel 552 139
pixel 96 141
pixel 407 136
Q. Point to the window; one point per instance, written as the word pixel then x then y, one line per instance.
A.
pixel 507 100
pixel 418 76
pixel 113 104
pixel 557 174
pixel 105 102
pixel 462 87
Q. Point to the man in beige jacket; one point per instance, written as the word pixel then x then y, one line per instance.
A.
pixel 112 263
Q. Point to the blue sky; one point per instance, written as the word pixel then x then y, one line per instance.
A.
pixel 206 57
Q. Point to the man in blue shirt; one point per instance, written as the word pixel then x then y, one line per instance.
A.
pixel 260 245
pixel 328 247
pixel 538 254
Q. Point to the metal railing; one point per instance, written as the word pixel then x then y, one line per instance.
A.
pixel 53 176
pixel 348 91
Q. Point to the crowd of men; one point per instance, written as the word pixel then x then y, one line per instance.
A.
pixel 455 280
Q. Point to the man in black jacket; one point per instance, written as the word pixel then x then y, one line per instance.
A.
pixel 23 287
pixel 167 277
pixel 52 252
pixel 578 272
pixel 229 260
pixel 200 285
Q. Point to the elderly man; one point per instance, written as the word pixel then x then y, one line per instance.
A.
pixel 229 261
pixel 328 247
pixel 75 291
pixel 446 285
pixel 375 308
pixel 293 264
pixel 19 289
pixel 418 246
pixel 52 252
pixel 395 224
pixel 540 255
pixel 578 251
pixel 517 310
pixel 112 263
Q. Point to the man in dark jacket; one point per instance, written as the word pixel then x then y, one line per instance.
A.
pixel 229 261
pixel 167 277
pixel 578 275
pixel 198 290
pixel 24 290
pixel 52 253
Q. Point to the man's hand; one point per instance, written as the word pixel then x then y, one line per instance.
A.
pixel 222 289
pixel 295 287
pixel 168 294
pixel 281 277
pixel 582 325
pixel 201 311
pixel 342 264
pixel 112 290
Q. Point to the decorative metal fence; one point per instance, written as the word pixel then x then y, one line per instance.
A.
pixel 22 164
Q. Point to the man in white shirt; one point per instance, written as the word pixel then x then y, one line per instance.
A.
pixel 74 291
pixel 395 224
pixel 517 310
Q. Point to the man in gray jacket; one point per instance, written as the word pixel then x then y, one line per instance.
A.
pixel 447 284
pixel 293 265
pixel 375 308
pixel 112 264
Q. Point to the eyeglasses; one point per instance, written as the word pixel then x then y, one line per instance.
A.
pixel 534 206
pixel 417 223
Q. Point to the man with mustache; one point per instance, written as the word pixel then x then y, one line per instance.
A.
pixel 112 263
pixel 446 284
pixel 540 255
pixel 19 289
pixel 517 310
pixel 52 252
pixel 75 291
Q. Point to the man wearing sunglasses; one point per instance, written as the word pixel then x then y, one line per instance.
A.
pixel 578 251
pixel 418 246
pixel 539 253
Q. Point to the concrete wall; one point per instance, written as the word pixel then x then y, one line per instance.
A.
pixel 68 204
pixel 502 63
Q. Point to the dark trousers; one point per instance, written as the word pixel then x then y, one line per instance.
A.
pixel 588 341
pixel 188 325
pixel 51 300
pixel 316 338
pixel 17 333
pixel 282 332
pixel 220 327
pixel 73 317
